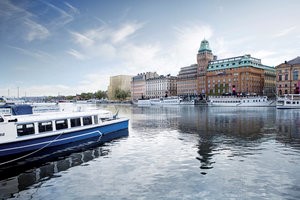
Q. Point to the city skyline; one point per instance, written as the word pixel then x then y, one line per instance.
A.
pixel 69 47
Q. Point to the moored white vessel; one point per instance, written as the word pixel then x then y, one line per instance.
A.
pixel 288 101
pixel 240 101
pixel 174 100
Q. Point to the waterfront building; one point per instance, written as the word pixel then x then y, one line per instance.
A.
pixel 187 81
pixel 241 74
pixel 161 86
pixel 138 84
pixel 287 77
pixel 121 82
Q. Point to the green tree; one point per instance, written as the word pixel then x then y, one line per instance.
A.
pixel 121 94
pixel 100 94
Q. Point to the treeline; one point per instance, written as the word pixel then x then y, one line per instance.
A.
pixel 83 96
pixel 118 94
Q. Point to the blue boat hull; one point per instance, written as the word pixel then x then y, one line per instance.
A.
pixel 102 133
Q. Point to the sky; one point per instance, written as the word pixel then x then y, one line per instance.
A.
pixel 51 47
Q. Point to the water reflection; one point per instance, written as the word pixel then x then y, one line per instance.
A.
pixel 21 175
pixel 288 127
pixel 219 129
pixel 47 171
pixel 236 130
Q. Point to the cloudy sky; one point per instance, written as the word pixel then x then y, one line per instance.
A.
pixel 51 47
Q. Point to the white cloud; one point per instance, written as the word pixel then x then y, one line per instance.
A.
pixel 72 8
pixel 82 39
pixel 103 42
pixel 284 32
pixel 125 31
pixel 41 55
pixel 132 56
pixel 76 54
pixel 35 31
pixel 27 24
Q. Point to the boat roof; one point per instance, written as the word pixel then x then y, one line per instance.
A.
pixel 56 115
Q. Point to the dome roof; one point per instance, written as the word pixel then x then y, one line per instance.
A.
pixel 204 46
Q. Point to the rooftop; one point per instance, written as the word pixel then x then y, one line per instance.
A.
pixel 204 46
pixel 294 61
pixel 235 62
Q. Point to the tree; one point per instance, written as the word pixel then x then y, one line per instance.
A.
pixel 100 94
pixel 121 94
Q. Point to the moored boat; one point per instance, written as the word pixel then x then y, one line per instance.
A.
pixel 29 133
pixel 174 100
pixel 288 101
pixel 240 101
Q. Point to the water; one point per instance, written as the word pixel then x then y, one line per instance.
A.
pixel 176 152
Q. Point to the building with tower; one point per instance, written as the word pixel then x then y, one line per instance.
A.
pixel 242 74
pixel 204 56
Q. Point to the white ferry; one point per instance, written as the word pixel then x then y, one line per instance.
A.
pixel 288 101
pixel 29 133
pixel 165 101
pixel 240 101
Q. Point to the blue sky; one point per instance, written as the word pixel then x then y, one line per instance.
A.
pixel 68 47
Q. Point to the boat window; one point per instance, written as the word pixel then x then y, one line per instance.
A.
pixel 96 119
pixel 61 124
pixel 87 120
pixel 25 129
pixel 75 122
pixel 45 126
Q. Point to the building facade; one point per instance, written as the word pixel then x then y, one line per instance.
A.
pixel 287 77
pixel 121 82
pixel 138 84
pixel 187 81
pixel 161 86
pixel 242 74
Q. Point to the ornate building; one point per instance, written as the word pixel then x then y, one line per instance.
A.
pixel 287 77
pixel 138 84
pixel 161 86
pixel 152 85
pixel 242 74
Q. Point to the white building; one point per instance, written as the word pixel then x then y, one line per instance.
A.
pixel 161 86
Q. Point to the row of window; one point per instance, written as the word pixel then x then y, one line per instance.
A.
pixel 238 101
pixel 286 76
pixel 46 126
pixel 241 62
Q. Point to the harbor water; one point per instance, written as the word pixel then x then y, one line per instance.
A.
pixel 174 152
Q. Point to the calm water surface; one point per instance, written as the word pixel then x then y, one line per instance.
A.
pixel 176 152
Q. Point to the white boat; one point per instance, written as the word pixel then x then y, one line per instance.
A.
pixel 142 102
pixel 288 101
pixel 240 101
pixel 27 133
pixel 174 100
